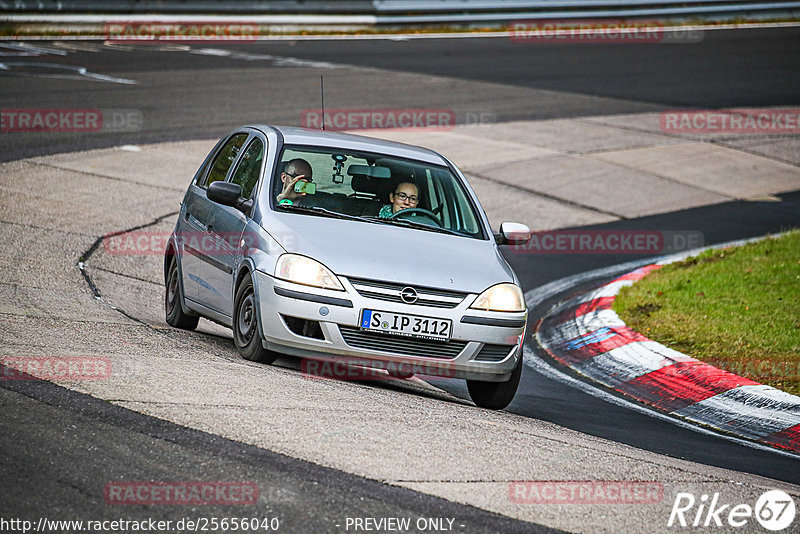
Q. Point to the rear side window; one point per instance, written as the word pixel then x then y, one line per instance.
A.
pixel 249 169
pixel 224 160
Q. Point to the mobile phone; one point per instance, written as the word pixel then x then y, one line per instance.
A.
pixel 305 187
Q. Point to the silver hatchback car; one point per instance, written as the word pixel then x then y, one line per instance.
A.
pixel 334 247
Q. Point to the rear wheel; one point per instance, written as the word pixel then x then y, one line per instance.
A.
pixel 173 299
pixel 245 325
pixel 495 395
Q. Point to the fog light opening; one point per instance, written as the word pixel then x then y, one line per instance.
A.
pixel 303 327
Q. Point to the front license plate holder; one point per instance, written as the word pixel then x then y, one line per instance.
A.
pixel 406 325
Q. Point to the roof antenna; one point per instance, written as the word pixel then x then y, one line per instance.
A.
pixel 322 95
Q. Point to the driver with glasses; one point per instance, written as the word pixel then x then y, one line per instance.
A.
pixel 405 196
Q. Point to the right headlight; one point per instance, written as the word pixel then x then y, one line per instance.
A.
pixel 504 297
pixel 304 270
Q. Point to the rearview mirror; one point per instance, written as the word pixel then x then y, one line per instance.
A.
pixel 373 171
pixel 512 233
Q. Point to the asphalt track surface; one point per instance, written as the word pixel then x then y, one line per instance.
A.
pixel 202 93
pixel 93 441
pixel 187 95
pixel 546 399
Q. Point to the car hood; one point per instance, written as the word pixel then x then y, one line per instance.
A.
pixel 391 253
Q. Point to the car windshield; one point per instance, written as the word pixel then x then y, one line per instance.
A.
pixel 378 189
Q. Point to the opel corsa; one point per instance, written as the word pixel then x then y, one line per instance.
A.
pixel 335 272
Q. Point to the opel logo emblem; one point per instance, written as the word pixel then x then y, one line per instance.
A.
pixel 409 295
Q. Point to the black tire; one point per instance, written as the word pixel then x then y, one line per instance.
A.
pixel 495 395
pixel 400 376
pixel 402 371
pixel 245 325
pixel 173 298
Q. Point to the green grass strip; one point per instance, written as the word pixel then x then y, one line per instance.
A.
pixel 737 309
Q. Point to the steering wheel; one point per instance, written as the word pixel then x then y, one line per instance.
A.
pixel 418 212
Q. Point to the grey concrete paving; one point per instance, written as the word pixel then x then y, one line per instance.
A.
pixel 405 433
pixel 710 168
pixel 601 186
pixel 504 202
pixel 785 149
pixel 569 172
pixel 575 136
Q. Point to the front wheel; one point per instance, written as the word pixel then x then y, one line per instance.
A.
pixel 402 371
pixel 245 325
pixel 173 299
pixel 495 395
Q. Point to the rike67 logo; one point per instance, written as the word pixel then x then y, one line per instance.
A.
pixel 774 510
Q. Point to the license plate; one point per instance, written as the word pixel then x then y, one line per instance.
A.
pixel 402 324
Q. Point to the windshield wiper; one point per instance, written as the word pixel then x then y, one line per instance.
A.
pixel 413 224
pixel 317 210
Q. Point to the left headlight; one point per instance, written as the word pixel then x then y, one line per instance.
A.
pixel 304 270
pixel 502 297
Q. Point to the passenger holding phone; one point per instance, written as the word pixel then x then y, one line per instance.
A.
pixel 296 170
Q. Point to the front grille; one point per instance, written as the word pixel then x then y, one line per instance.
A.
pixel 493 353
pixel 435 298
pixel 406 346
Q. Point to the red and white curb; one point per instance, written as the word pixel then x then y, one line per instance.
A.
pixel 585 334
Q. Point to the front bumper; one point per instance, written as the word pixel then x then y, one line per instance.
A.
pixel 484 345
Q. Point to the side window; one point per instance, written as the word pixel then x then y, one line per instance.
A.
pixel 249 168
pixel 224 160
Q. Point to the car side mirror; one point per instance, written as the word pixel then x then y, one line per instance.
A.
pixel 229 194
pixel 512 233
